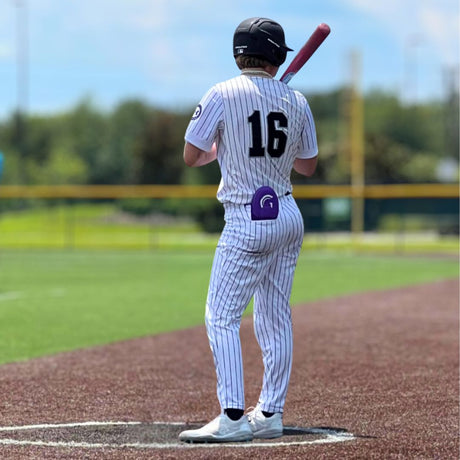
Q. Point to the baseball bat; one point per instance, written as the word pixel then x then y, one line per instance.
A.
pixel 305 53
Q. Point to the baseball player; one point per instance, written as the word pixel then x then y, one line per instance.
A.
pixel 258 129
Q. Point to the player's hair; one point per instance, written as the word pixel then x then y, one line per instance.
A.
pixel 251 62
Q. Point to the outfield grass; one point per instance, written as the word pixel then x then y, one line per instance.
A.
pixel 53 301
pixel 87 226
pixel 96 226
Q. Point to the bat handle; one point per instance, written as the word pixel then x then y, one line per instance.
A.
pixel 287 78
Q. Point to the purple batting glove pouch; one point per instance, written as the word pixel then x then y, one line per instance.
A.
pixel 264 204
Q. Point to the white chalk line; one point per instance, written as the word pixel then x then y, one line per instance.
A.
pixel 15 295
pixel 247 445
pixel 330 437
pixel 71 425
pixel 11 295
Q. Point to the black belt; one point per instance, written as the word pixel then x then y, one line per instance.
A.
pixel 286 194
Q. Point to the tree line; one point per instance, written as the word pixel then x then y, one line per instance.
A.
pixel 136 143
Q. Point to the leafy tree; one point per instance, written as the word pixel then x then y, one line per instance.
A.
pixel 139 144
pixel 126 126
pixel 62 167
pixel 402 143
pixel 84 133
pixel 157 158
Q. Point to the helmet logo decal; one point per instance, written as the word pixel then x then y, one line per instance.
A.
pixel 276 44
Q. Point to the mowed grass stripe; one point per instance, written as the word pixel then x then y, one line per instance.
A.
pixel 52 301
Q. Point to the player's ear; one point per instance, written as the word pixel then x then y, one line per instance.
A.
pixel 272 70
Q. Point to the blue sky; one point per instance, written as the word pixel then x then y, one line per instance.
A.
pixel 168 52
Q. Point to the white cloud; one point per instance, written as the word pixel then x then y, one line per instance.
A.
pixel 6 51
pixel 442 29
pixel 103 14
pixel 173 49
pixel 434 22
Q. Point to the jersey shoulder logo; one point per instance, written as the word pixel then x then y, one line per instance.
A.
pixel 197 112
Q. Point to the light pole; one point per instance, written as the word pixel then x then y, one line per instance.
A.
pixel 22 83
pixel 357 166
pixel 22 55
pixel 410 68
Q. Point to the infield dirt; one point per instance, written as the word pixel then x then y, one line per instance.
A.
pixel 382 366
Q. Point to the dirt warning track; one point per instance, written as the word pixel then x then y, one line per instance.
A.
pixel 375 375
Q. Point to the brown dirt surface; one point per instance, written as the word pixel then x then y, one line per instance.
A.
pixel 378 371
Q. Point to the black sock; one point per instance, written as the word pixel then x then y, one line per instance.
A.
pixel 267 414
pixel 234 414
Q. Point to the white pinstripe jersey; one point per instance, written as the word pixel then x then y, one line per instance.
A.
pixel 261 126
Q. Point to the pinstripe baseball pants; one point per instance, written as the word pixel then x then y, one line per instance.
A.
pixel 254 258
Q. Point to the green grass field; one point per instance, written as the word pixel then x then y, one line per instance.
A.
pixel 96 226
pixel 52 301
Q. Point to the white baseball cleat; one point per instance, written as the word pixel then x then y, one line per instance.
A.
pixel 221 429
pixel 265 427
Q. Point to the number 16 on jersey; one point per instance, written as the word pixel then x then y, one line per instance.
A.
pixel 277 137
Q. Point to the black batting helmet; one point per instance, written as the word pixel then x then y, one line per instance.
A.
pixel 260 37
